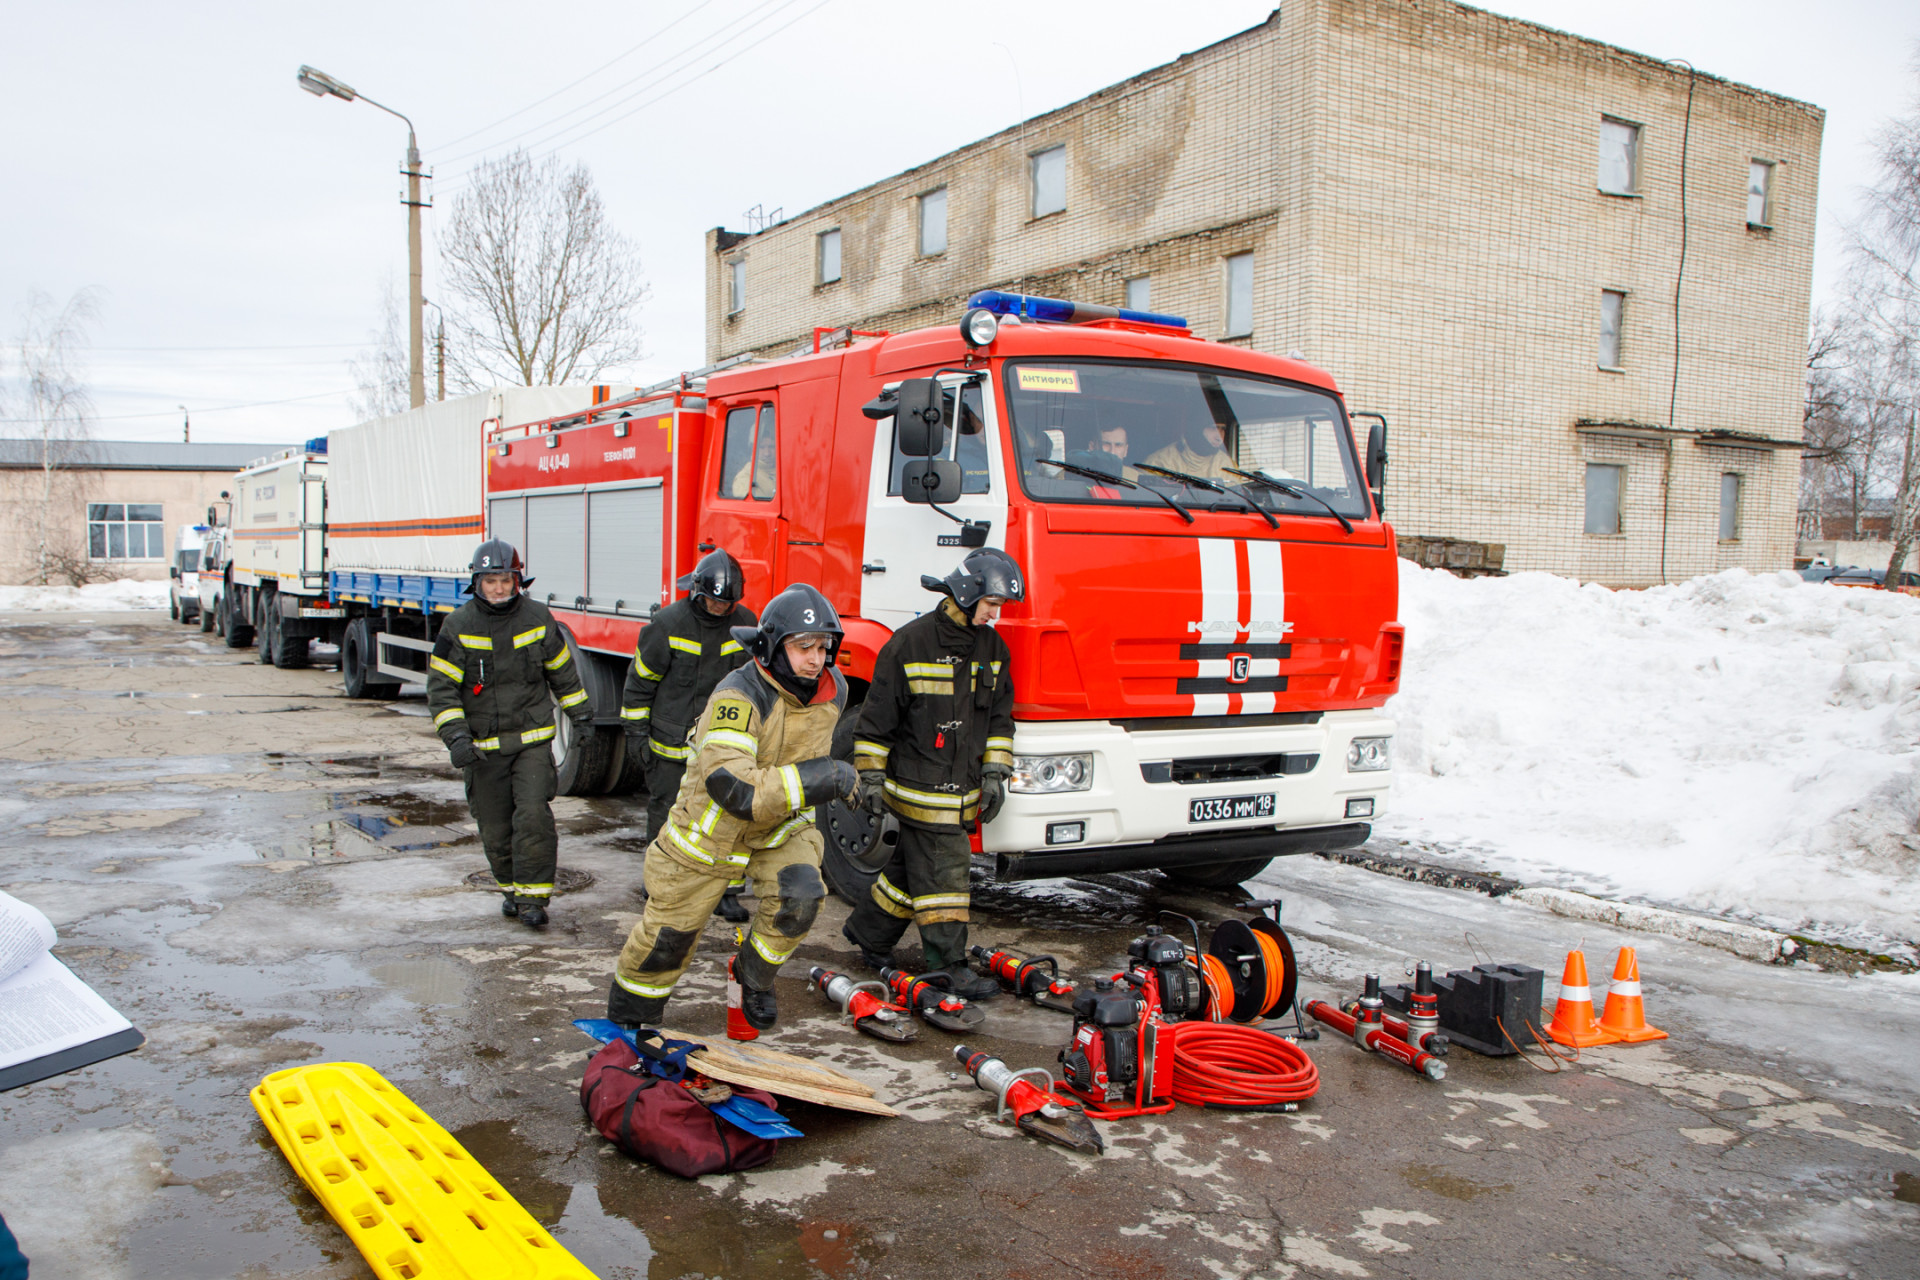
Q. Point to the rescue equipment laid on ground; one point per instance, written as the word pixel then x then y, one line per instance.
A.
pixel 667 1060
pixel 1625 1014
pixel 1025 978
pixel 1573 1022
pixel 1143 1040
pixel 1256 959
pixel 1030 1098
pixel 667 1122
pixel 865 1005
pixel 411 1199
pixel 931 996
pixel 1421 1027
pixel 1492 1009
pixel 1367 1026
pixel 788 1075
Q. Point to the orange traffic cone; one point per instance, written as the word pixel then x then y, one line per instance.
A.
pixel 1624 1015
pixel 1573 1022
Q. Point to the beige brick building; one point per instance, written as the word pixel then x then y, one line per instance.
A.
pixel 1475 224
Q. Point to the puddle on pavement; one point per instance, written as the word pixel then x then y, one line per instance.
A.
pixel 726 1243
pixel 1450 1185
pixel 515 1163
pixel 428 983
pixel 400 820
pixel 1906 1187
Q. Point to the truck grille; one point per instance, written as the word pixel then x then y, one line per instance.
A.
pixel 1194 770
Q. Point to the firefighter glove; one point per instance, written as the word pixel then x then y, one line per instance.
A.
pixel 823 778
pixel 993 794
pixel 873 792
pixel 462 752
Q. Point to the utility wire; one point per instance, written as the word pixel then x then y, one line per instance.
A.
pixel 219 408
pixel 453 142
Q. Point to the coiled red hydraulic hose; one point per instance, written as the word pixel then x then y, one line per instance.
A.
pixel 1224 1064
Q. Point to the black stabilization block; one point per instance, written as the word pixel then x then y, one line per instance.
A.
pixel 1477 1004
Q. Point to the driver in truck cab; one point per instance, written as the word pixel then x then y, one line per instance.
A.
pixel 500 666
pixel 934 745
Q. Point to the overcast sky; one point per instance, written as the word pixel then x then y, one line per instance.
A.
pixel 239 231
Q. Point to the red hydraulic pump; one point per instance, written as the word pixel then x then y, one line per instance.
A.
pixel 1367 1026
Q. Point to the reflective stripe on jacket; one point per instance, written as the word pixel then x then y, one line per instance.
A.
pixel 496 677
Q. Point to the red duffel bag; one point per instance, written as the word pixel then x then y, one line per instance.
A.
pixel 660 1122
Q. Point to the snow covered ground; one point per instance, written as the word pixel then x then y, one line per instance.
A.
pixel 1741 744
pixel 95 597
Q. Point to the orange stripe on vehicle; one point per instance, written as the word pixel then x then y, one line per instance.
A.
pixel 394 528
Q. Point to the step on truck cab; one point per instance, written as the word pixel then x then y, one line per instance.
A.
pixel 1209 629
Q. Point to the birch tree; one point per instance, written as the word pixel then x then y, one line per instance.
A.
pixel 52 409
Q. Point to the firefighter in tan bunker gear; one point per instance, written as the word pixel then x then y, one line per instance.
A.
pixel 762 762
pixel 500 668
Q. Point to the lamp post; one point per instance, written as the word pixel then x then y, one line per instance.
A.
pixel 186 426
pixel 439 346
pixel 321 85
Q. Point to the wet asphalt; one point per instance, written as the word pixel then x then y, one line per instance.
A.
pixel 261 873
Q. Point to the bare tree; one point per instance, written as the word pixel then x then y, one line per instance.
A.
pixel 544 289
pixel 54 411
pixel 380 371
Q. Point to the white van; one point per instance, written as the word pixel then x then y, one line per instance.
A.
pixel 213 566
pixel 183 592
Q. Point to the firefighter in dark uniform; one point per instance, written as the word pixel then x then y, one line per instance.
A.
pixel 934 744
pixel 683 652
pixel 499 666
pixel 762 763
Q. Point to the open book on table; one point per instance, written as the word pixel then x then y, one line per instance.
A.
pixel 50 1021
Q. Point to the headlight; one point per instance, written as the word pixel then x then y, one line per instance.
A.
pixel 979 327
pixel 1046 775
pixel 1369 754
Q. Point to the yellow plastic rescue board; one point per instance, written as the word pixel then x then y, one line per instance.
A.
pixel 412 1200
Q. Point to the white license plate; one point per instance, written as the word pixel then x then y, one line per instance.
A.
pixel 323 613
pixel 1231 808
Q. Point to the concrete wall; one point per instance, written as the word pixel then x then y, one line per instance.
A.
pixel 1417 182
pixel 183 495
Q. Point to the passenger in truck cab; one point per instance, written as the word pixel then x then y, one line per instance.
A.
pixel 762 764
pixel 684 651
pixel 1200 450
pixel 500 666
pixel 934 745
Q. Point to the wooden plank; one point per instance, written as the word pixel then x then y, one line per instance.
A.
pixel 785 1074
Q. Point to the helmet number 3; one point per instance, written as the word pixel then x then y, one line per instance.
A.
pixel 808 616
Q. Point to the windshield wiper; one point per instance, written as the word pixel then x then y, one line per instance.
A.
pixel 1101 477
pixel 1201 482
pixel 1270 483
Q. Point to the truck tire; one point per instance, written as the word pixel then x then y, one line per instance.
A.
pixel 1217 875
pixel 173 607
pixel 290 653
pixel 233 622
pixel 206 620
pixel 264 614
pixel 358 650
pixel 850 836
pixel 580 759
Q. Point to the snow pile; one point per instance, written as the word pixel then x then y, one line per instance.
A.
pixel 95 597
pixel 1738 744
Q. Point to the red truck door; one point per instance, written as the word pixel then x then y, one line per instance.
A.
pixel 741 508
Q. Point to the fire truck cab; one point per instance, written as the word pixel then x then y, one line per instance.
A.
pixel 1209 627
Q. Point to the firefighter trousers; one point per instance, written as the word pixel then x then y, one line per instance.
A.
pixel 510 798
pixel 925 883
pixel 788 890
pixel 663 785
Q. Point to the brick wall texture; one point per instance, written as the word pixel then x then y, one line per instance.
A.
pixel 1417 182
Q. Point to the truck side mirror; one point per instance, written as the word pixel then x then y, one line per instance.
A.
pixel 920 419
pixel 1377 464
pixel 173 571
pixel 930 480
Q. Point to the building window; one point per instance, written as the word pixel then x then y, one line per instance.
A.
pixel 829 255
pixel 736 286
pixel 1730 487
pixel 1049 180
pixel 1239 295
pixel 1603 498
pixel 933 223
pixel 1759 194
pixel 126 531
pixel 737 479
pixel 1140 293
pixel 1619 157
pixel 1613 306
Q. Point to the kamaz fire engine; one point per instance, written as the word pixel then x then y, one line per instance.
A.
pixel 1209 629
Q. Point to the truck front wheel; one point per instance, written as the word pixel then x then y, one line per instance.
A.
pixel 1217 875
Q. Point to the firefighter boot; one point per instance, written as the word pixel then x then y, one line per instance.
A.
pixel 508 907
pixel 730 908
pixel 875 960
pixel 967 984
pixel 631 1011
pixel 533 914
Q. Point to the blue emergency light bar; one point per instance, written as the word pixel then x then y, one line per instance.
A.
pixel 317 445
pixel 1060 311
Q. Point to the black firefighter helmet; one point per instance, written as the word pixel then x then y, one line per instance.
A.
pixel 799 610
pixel 717 577
pixel 986 572
pixel 496 555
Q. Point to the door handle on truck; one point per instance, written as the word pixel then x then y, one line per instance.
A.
pixel 705 546
pixel 878 566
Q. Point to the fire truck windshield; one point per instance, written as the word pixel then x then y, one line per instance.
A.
pixel 1136 422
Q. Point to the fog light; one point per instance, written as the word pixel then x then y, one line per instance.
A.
pixel 1367 755
pixel 1360 807
pixel 979 327
pixel 1066 832
pixel 1046 775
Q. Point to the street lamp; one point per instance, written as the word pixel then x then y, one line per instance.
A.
pixel 321 85
pixel 186 426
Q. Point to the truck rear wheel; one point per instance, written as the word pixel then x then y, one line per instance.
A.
pixel 206 620
pixel 581 758
pixel 1217 875
pixel 290 653
pixel 357 672
pixel 233 623
pixel 263 626
pixel 851 837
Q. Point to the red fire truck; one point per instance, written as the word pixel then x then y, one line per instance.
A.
pixel 1209 629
